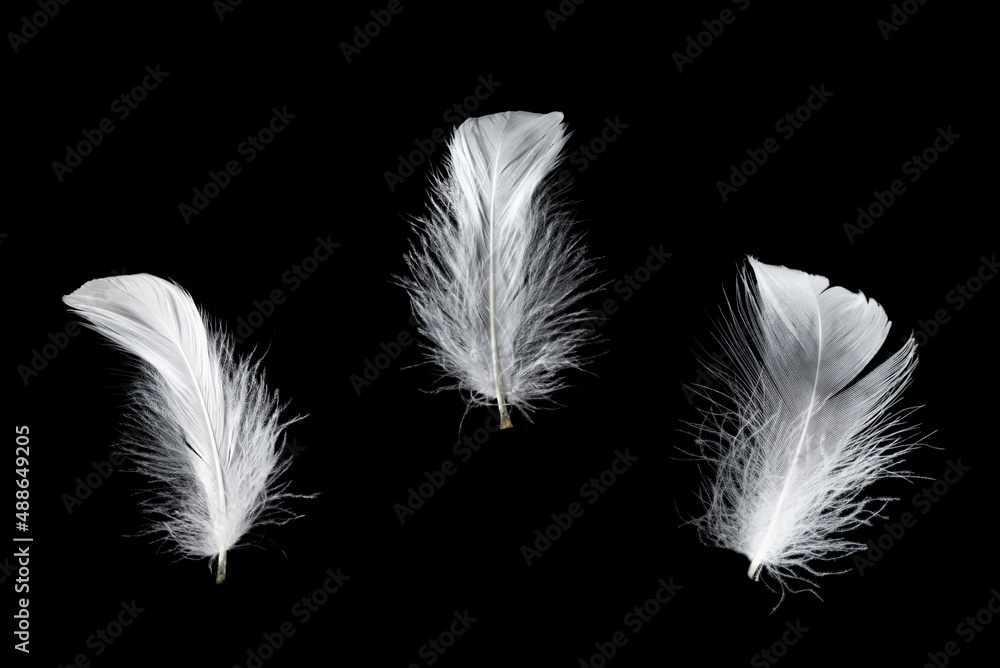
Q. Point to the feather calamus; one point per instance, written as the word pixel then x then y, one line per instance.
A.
pixel 495 268
pixel 210 427
pixel 795 433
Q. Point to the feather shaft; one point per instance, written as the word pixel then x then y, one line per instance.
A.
pixel 765 543
pixel 214 449
pixel 505 422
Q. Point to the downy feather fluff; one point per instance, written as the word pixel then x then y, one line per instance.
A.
pixel 496 269
pixel 795 433
pixel 210 428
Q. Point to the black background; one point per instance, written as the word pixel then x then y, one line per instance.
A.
pixel 655 186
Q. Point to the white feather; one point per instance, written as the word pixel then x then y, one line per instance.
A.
pixel 795 435
pixel 210 426
pixel 496 269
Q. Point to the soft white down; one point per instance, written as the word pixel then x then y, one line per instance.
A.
pixel 796 434
pixel 496 270
pixel 209 427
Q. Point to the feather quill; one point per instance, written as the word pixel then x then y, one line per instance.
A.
pixel 496 269
pixel 796 433
pixel 210 427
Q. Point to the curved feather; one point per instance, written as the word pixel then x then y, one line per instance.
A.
pixel 210 425
pixel 495 268
pixel 796 433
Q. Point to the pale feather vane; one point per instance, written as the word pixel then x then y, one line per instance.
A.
pixel 795 435
pixel 210 428
pixel 496 269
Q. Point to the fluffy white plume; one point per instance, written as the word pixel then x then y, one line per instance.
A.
pixel 496 269
pixel 795 433
pixel 210 427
